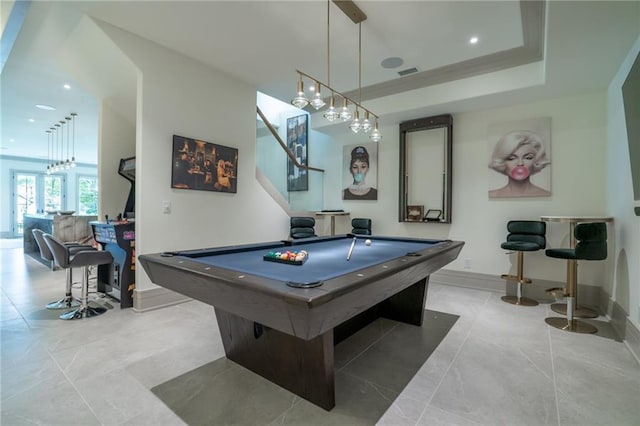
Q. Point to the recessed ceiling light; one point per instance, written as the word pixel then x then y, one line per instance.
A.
pixel 473 40
pixel 31 120
pixel 45 107
pixel 67 86
pixel 12 140
pixel 393 62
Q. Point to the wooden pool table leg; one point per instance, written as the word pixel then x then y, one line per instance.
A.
pixel 300 366
pixel 408 305
pixel 405 306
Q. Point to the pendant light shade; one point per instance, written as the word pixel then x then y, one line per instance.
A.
pixel 48 132
pixel 74 117
pixel 345 114
pixel 300 100
pixel 375 135
pixel 67 163
pixel 57 147
pixel 317 102
pixel 355 124
pixel 331 114
pixel 366 124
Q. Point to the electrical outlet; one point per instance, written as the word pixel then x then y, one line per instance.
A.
pixel 166 207
pixel 466 263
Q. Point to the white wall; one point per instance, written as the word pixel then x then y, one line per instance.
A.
pixel 117 140
pixel 625 289
pixel 177 95
pixel 578 186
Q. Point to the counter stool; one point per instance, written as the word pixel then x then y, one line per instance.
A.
pixel 68 301
pixel 302 227
pixel 592 245
pixel 361 225
pixel 67 257
pixel 524 235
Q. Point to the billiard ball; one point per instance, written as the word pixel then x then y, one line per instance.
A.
pixel 367 242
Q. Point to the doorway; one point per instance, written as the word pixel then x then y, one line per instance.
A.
pixel 35 193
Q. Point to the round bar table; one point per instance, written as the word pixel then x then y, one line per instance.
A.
pixel 333 215
pixel 572 267
pixel 572 220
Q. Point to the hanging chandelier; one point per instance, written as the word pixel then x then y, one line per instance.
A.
pixel 345 114
pixel 56 145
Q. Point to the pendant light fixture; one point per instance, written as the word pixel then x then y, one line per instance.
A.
pixel 48 132
pixel 74 117
pixel 355 124
pixel 57 167
pixel 62 164
pixel 317 102
pixel 56 145
pixel 301 101
pixel 366 124
pixel 345 114
pixel 53 135
pixel 67 163
pixel 332 114
pixel 375 135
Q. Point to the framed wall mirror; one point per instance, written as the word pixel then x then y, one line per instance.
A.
pixel 425 169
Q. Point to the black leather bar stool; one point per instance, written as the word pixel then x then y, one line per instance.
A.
pixel 67 258
pixel 592 245
pixel 302 227
pixel 68 301
pixel 524 235
pixel 361 225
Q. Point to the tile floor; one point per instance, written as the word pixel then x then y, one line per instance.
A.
pixel 498 365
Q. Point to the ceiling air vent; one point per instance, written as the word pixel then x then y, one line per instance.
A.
pixel 407 71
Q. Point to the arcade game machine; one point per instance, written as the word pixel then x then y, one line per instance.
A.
pixel 119 238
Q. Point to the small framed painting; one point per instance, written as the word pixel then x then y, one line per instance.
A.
pixel 415 213
pixel 297 178
pixel 203 165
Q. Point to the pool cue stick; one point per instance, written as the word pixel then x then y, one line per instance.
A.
pixel 353 243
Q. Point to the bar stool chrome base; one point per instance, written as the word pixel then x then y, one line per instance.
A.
pixel 522 301
pixel 574 326
pixel 83 312
pixel 65 303
pixel 579 312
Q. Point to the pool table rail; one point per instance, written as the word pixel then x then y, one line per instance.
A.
pixel 303 313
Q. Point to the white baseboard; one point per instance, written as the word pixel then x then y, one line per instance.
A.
pixel 632 339
pixel 619 320
pixel 156 298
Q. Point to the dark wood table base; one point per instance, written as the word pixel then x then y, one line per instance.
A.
pixel 306 367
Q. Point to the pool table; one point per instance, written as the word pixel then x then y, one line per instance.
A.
pixel 281 320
